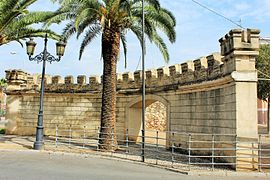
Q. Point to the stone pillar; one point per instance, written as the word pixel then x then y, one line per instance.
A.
pixel 69 80
pixel 81 80
pixel 239 49
pixel 187 69
pixel 56 79
pixel 138 76
pixel 94 80
pixel 128 76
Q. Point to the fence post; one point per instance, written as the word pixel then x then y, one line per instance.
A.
pixel 112 139
pixel 126 141
pixel 70 136
pixel 253 155
pixel 172 152
pixel 84 136
pixel 56 136
pixel 157 147
pixel 236 149
pixel 98 131
pixel 213 152
pixel 260 153
pixel 189 151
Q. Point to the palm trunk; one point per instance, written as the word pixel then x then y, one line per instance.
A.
pixel 110 52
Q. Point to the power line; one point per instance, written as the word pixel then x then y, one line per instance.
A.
pixel 263 73
pixel 217 13
pixel 265 41
pixel 139 62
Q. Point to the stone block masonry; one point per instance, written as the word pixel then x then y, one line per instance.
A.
pixel 215 94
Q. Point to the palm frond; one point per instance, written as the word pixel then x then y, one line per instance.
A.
pixel 8 5
pixel 163 23
pixel 32 18
pixel 84 24
pixel 16 21
pixel 118 16
pixel 124 43
pixel 69 30
pixel 30 32
pixel 162 47
pixel 153 3
pixel 23 4
pixel 91 33
pixel 137 30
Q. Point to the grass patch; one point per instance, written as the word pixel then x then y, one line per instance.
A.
pixel 2 131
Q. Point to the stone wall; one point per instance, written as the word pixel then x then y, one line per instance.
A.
pixel 59 109
pixel 214 94
pixel 206 95
pixel 156 116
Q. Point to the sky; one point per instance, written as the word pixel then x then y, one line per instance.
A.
pixel 198 31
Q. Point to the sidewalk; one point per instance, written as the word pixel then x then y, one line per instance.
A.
pixel 25 144
pixel 13 142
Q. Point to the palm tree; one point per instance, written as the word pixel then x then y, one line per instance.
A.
pixel 112 19
pixel 16 21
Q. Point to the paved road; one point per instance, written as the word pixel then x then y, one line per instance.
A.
pixel 33 165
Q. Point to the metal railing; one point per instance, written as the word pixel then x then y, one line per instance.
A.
pixel 2 110
pixel 183 151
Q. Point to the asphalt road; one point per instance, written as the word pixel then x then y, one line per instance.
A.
pixel 34 165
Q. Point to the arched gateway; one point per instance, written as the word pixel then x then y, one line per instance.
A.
pixel 134 114
pixel 216 94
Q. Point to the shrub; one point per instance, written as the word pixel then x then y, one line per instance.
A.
pixel 2 131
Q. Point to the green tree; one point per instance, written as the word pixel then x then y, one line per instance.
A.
pixel 263 67
pixel 3 82
pixel 112 19
pixel 16 21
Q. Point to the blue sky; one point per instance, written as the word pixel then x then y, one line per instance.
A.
pixel 198 31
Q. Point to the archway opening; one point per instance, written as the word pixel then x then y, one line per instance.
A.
pixel 156 120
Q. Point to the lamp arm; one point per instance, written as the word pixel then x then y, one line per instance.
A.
pixel 39 58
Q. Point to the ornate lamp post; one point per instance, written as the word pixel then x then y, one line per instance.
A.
pixel 143 82
pixel 43 57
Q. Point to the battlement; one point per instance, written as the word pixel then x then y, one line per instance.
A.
pixel 240 40
pixel 204 68
pixel 239 48
pixel 238 51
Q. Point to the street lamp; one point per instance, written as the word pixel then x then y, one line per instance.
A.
pixel 43 57
pixel 143 81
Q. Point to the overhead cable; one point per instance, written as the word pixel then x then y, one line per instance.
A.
pixel 217 13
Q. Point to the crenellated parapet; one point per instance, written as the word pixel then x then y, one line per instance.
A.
pixel 238 51
pixel 239 40
pixel 202 69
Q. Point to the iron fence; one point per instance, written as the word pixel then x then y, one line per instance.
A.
pixel 177 150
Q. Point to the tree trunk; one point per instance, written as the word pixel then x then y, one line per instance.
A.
pixel 110 52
